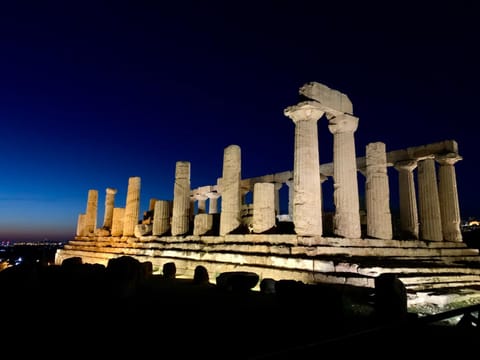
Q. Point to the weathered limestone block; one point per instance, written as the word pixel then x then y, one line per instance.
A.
pixel 143 230
pixel 203 223
pixel 328 97
pixel 263 207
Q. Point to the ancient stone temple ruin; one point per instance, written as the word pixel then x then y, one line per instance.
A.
pixel 213 226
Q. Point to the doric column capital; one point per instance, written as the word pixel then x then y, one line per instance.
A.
pixel 406 165
pixel 111 191
pixel 304 111
pixel 343 123
pixel 448 159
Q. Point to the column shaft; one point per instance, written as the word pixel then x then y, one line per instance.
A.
pixel 132 206
pixel 181 199
pixel 161 217
pixel 429 203
pixel 263 207
pixel 448 195
pixel 407 199
pixel 230 216
pixel 347 207
pixel 379 218
pixel 91 213
pixel 109 205
pixel 307 194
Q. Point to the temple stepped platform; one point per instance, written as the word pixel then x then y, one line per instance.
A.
pixel 438 275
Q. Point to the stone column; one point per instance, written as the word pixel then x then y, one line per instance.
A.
pixel 379 218
pixel 230 216
pixel 181 199
pixel 448 196
pixel 408 198
pixel 81 225
pixel 278 186
pixel 347 207
pixel 307 195
pixel 161 217
pixel 117 221
pixel 263 207
pixel 91 213
pixel 289 183
pixel 132 206
pixel 109 205
pixel 213 202
pixel 429 203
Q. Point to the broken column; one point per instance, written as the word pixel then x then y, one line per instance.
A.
pixel 161 217
pixel 263 207
pixel 117 221
pixel 81 225
pixel 181 199
pixel 109 205
pixel 91 213
pixel 407 198
pixel 132 206
pixel 448 196
pixel 377 194
pixel 230 216
pixel 428 201
pixel 307 196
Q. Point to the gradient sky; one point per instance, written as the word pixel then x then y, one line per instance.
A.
pixel 93 92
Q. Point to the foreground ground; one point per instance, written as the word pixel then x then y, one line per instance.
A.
pixel 90 314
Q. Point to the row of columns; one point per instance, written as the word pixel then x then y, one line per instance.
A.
pixel 435 218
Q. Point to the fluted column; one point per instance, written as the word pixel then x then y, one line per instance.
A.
pixel 263 207
pixel 161 217
pixel 407 198
pixel 181 199
pixel 231 195
pixel 429 203
pixel 347 207
pixel 213 202
pixel 307 195
pixel 448 196
pixel 377 193
pixel 91 213
pixel 109 205
pixel 132 206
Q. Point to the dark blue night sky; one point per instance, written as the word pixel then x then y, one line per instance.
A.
pixel 93 92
